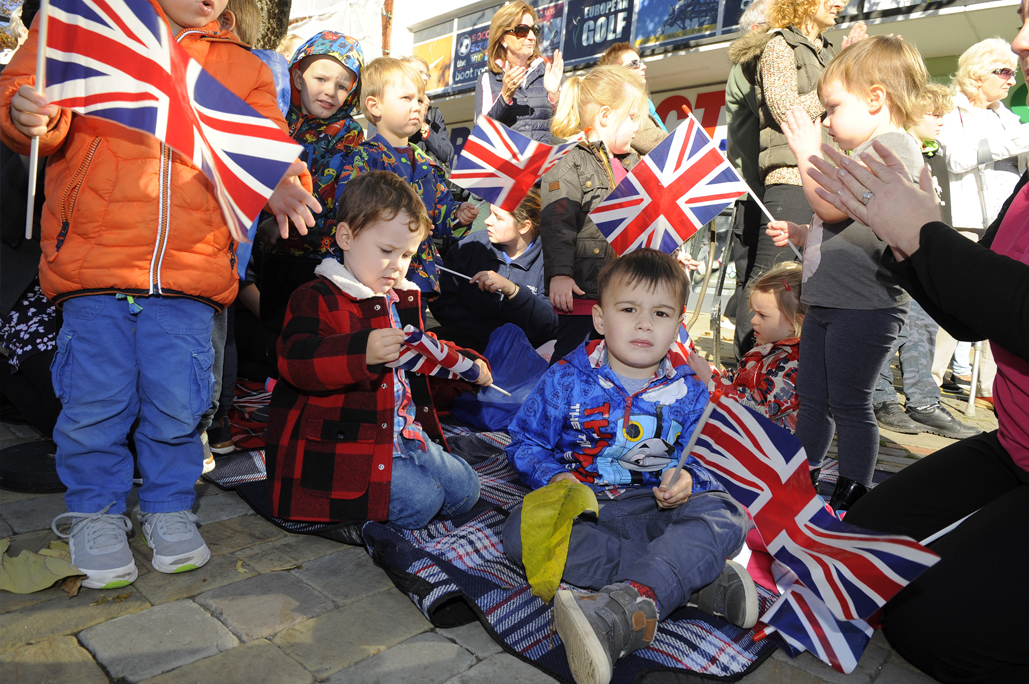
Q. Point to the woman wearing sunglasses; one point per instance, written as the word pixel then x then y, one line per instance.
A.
pixel 519 89
pixel 986 71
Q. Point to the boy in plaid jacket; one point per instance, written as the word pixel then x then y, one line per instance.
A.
pixel 350 438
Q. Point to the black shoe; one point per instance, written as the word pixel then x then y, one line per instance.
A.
pixel 815 474
pixel 846 494
pixel 890 415
pixel 953 388
pixel 936 420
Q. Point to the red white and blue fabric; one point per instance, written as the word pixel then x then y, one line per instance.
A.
pixel 682 184
pixel 501 165
pixel 682 345
pixel 803 620
pixel 117 59
pixel 853 571
pixel 426 355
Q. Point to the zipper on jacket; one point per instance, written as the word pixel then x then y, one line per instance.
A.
pixel 71 193
pixel 163 219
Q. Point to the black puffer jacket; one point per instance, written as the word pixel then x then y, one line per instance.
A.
pixel 531 111
pixel 572 243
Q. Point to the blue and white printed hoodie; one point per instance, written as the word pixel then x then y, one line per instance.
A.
pixel 579 419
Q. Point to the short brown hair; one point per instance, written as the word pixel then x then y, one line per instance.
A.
pixel 886 61
pixel 613 55
pixel 529 210
pixel 784 283
pixel 506 18
pixel 382 72
pixel 380 196
pixel 249 21
pixel 648 267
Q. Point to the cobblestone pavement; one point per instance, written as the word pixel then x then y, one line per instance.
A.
pixel 282 608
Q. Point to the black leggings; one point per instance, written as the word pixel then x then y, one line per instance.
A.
pixel 965 618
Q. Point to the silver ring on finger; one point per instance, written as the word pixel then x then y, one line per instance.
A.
pixel 866 196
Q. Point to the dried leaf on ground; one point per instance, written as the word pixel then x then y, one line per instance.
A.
pixel 546 527
pixel 239 566
pixel 30 572
pixel 72 585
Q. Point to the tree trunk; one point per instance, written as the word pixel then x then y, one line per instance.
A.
pixel 276 22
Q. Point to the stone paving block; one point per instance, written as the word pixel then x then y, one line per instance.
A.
pixel 259 662
pixel 7 496
pixel 288 552
pixel 775 671
pixel 5 529
pixel 222 506
pixel 894 673
pixel 229 536
pixel 867 668
pixel 475 638
pixel 340 638
pixel 503 669
pixel 264 605
pixel 62 616
pixel 424 659
pixel 30 515
pixel 9 601
pixel 155 641
pixel 57 660
pixel 159 587
pixel 344 576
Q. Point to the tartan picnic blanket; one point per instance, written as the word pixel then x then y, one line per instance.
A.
pixel 455 571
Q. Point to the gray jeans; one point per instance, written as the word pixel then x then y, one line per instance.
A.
pixel 673 551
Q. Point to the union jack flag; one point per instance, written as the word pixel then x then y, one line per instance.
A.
pixel 426 355
pixel 670 194
pixel 682 345
pixel 853 571
pixel 501 165
pixel 117 59
pixel 805 623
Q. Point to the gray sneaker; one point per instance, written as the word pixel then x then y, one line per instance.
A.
pixel 732 595
pixel 598 629
pixel 177 544
pixel 99 548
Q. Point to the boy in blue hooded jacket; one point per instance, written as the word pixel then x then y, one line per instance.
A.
pixel 615 415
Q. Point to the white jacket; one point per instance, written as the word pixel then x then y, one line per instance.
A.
pixel 962 130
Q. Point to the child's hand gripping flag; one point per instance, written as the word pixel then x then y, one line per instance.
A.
pixel 426 355
pixel 117 59
pixel 501 165
pixel 682 184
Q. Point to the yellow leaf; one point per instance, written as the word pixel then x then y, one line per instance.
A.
pixel 239 566
pixel 31 572
pixel 547 516
pixel 72 585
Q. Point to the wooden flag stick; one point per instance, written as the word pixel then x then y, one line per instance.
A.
pixel 688 449
pixel 44 11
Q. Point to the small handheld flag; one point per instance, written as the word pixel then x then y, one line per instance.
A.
pixel 682 184
pixel 426 355
pixel 501 165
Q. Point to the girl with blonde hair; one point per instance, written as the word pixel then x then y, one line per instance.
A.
pixel 611 102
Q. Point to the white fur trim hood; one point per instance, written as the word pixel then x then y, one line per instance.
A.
pixel 342 278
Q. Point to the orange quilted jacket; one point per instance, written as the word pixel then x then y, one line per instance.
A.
pixel 124 213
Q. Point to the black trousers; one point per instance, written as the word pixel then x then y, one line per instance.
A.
pixel 279 277
pixel 755 253
pixel 571 332
pixel 966 619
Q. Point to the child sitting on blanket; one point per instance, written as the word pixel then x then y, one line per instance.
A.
pixel 766 379
pixel 349 438
pixel 615 414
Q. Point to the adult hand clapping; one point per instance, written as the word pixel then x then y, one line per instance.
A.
pixel 879 195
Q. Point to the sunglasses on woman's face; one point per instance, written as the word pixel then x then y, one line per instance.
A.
pixel 1006 74
pixel 634 64
pixel 522 30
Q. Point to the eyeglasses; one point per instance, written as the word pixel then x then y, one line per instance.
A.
pixel 522 30
pixel 1006 74
pixel 634 64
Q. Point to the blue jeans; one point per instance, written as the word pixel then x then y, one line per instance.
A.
pixel 675 552
pixel 428 483
pixel 118 361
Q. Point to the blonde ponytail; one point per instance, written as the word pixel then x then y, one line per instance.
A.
pixel 583 96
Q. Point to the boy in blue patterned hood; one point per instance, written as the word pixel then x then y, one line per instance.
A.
pixel 615 415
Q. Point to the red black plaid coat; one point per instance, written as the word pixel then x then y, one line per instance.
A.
pixel 330 430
